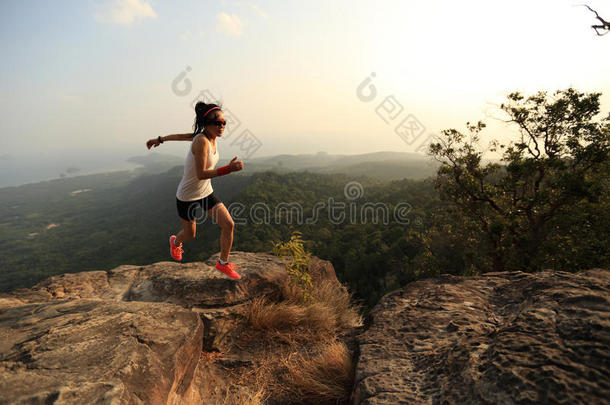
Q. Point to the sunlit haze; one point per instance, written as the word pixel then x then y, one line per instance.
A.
pixel 100 77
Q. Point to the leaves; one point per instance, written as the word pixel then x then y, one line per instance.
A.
pixel 547 169
pixel 298 268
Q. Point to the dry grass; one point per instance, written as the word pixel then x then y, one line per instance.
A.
pixel 336 296
pixel 264 314
pixel 322 378
pixel 296 345
pixel 330 309
pixel 298 374
pixel 238 395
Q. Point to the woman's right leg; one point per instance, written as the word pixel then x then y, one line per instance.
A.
pixel 188 231
pixel 220 214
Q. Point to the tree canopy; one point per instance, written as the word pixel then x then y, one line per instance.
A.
pixel 560 160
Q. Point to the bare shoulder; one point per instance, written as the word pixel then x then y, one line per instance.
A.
pixel 200 144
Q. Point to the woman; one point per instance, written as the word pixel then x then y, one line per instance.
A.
pixel 195 188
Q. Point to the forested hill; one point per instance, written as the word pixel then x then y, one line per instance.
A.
pixel 390 233
pixel 102 221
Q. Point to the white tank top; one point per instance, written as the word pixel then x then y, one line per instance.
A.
pixel 190 187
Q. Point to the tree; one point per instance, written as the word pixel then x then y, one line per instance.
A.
pixel 554 164
pixel 600 29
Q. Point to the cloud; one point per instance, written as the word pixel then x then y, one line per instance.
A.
pixel 256 8
pixel 249 4
pixel 125 11
pixel 229 24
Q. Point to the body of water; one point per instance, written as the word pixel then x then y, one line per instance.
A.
pixel 17 171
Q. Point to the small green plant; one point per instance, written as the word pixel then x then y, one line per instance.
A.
pixel 298 268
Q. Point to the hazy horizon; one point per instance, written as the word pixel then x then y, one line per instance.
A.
pixel 15 172
pixel 82 79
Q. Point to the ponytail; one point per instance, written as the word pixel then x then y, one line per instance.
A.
pixel 201 119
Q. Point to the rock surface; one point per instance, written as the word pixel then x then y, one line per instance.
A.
pixel 188 285
pixel 94 351
pixel 168 333
pixel 501 338
pixel 131 335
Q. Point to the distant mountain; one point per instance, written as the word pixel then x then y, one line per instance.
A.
pixel 322 159
pixel 387 170
pixel 155 162
pixel 155 158
pixel 382 165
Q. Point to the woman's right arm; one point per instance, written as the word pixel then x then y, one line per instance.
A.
pixel 176 137
pixel 200 149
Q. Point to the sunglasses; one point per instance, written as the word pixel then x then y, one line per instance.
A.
pixel 219 123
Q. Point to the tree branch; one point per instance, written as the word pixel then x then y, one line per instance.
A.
pixel 605 25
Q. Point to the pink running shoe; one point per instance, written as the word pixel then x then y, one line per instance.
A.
pixel 228 269
pixel 175 251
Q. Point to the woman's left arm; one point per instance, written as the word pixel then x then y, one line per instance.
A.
pixel 176 137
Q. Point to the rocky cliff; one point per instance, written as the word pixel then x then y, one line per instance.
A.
pixel 172 333
pixel 501 338
pixel 167 333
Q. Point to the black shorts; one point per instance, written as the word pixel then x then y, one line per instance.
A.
pixel 188 210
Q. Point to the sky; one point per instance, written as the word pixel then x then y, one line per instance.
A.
pixel 97 78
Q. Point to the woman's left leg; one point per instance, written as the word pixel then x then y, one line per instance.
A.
pixel 221 215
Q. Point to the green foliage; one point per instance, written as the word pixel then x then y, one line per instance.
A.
pixel 298 268
pixel 454 228
pixel 510 210
pixel 122 219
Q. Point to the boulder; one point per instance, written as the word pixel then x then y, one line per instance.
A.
pixel 196 284
pixel 79 351
pixel 500 338
pixel 130 335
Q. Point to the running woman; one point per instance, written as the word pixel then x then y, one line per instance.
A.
pixel 195 188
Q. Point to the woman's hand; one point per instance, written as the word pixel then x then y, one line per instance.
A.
pixel 236 165
pixel 152 142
